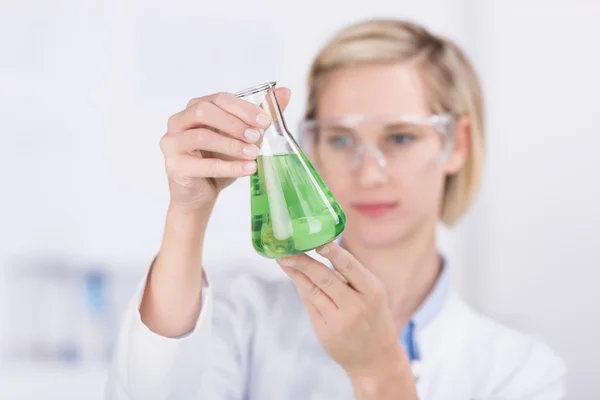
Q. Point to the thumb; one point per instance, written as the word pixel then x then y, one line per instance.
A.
pixel 283 97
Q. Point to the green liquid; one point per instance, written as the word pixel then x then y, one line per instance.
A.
pixel 292 209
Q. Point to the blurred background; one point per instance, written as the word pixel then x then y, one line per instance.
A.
pixel 86 87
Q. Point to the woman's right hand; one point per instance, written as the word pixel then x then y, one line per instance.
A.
pixel 204 151
pixel 210 144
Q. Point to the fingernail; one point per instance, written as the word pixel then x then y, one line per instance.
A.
pixel 323 250
pixel 263 120
pixel 249 166
pixel 250 151
pixel 287 262
pixel 251 135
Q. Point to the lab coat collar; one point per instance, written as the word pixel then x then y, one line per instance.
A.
pixel 434 302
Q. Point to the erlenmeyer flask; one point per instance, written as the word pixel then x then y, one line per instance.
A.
pixel 293 211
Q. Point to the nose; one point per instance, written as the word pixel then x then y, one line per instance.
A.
pixel 371 168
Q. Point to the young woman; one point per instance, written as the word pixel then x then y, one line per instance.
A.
pixel 394 124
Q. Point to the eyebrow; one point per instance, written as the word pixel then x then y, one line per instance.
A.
pixel 337 129
pixel 398 126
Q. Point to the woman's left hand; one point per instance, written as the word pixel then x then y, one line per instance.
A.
pixel 351 317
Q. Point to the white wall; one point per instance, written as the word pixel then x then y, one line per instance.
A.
pixel 535 231
pixel 86 88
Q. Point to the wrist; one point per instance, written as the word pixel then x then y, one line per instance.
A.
pixel 384 385
pixel 188 221
pixel 198 210
pixel 184 232
pixel 390 378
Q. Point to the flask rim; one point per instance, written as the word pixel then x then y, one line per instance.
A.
pixel 255 89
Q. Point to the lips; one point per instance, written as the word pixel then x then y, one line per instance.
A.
pixel 375 209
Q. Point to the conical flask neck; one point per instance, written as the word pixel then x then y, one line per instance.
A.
pixel 275 139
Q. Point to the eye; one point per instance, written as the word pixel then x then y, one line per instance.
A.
pixel 401 138
pixel 341 142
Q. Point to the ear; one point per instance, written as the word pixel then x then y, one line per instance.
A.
pixel 460 150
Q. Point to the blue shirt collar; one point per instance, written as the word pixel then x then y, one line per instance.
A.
pixel 426 312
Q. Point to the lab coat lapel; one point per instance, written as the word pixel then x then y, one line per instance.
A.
pixel 437 341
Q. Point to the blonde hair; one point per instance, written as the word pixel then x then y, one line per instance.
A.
pixel 449 79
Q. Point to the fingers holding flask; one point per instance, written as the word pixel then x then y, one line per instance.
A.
pixel 316 282
pixel 210 143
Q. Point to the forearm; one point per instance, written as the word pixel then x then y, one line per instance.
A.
pixel 171 302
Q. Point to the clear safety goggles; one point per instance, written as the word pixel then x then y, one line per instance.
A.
pixel 399 142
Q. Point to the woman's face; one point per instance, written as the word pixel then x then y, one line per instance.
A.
pixel 387 175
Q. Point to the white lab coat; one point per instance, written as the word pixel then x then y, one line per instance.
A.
pixel 254 341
